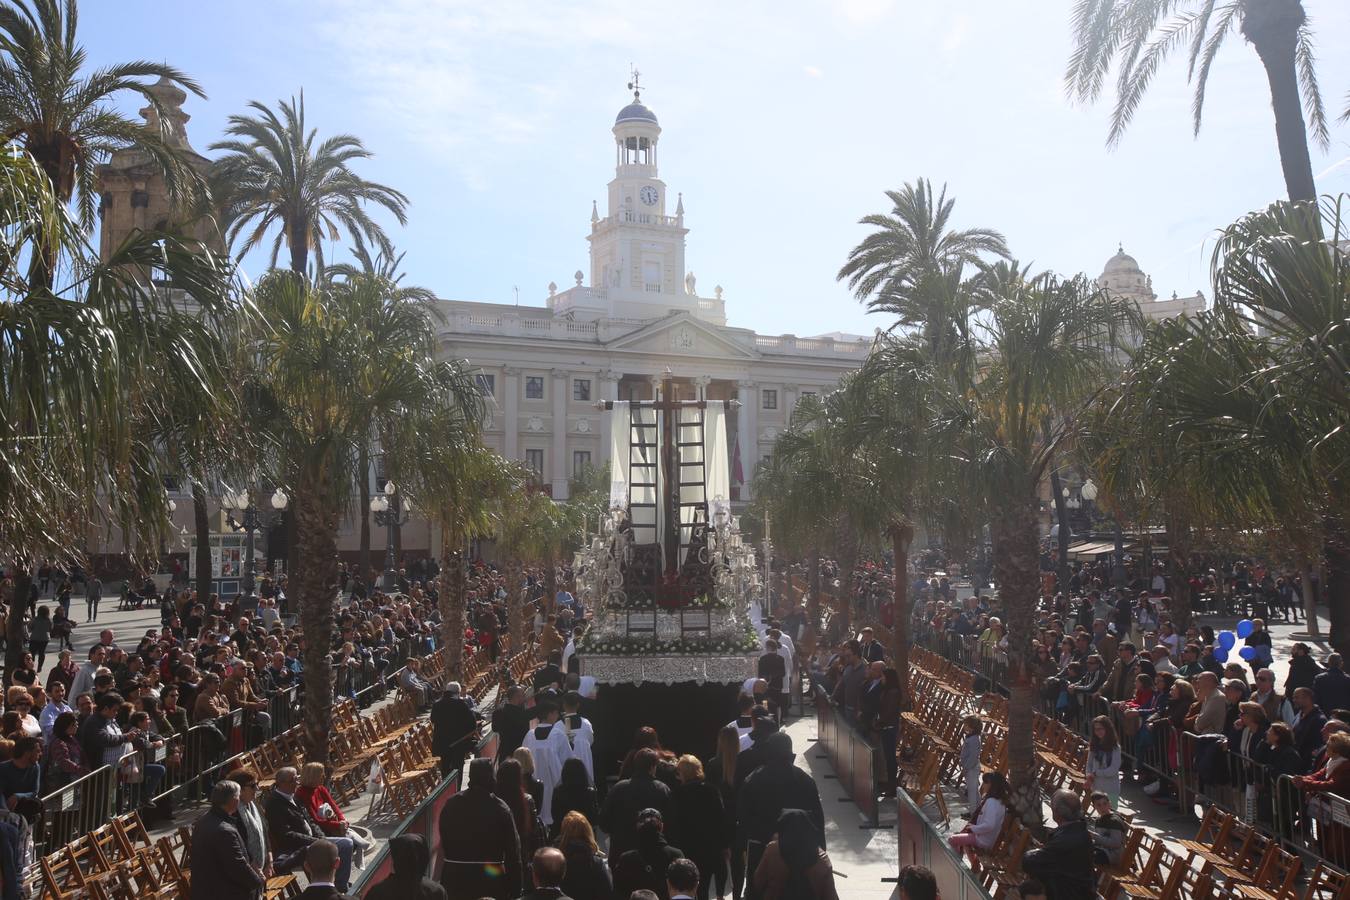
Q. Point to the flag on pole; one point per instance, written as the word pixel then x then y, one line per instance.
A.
pixel 737 475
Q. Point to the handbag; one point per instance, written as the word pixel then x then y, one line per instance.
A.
pixel 130 770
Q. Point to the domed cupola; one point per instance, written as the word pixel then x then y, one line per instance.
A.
pixel 1123 277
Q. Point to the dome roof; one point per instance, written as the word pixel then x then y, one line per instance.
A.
pixel 635 112
pixel 1122 263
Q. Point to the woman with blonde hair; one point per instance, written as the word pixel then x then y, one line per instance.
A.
pixel 313 795
pixel 533 786
pixel 587 875
pixel 694 828
pixel 721 774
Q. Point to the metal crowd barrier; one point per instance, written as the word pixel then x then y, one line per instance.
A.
pixel 923 845
pixel 855 759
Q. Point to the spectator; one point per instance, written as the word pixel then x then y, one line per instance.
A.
pixel 917 883
pixel 1331 689
pixel 1108 830
pixel 323 863
pixel 454 727
pixel 587 874
pixel 574 794
pixel 547 869
pixel 1278 709
pixel 645 866
pixel 479 841
pixel 1103 762
pixel 1207 714
pixel 318 801
pixel 249 822
pixel 409 881
pixel 65 761
pixel 629 797
pixel 1307 727
pixel 292 831
pixel 682 879
pixel 220 865
pixel 986 820
pixel 1064 863
pixel 1303 669
pixel 696 825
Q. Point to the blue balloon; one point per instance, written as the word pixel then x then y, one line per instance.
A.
pixel 1248 653
pixel 1221 654
pixel 1227 640
pixel 1244 628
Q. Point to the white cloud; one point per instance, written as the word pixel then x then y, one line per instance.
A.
pixel 956 35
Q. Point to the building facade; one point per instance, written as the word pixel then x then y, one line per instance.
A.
pixel 635 319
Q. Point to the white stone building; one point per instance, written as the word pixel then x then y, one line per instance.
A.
pixel 636 316
pixel 1123 277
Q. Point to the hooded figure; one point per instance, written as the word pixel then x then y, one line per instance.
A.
pixel 773 787
pixel 794 857
pixel 409 881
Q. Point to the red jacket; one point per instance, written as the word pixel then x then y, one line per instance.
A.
pixel 1337 783
pixel 313 800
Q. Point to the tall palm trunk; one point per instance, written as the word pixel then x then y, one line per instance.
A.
pixel 1179 555
pixel 18 608
pixel 1272 27
pixel 453 606
pixel 1305 569
pixel 363 467
pixel 1336 550
pixel 316 527
pixel 298 236
pixel 1016 570
pixel 902 535
pixel 201 522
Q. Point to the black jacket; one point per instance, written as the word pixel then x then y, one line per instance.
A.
pixel 1064 864
pixel 644 868
pixel 775 786
pixel 290 830
pixel 545 894
pixel 697 824
pixel 1331 690
pixel 327 892
pixel 1303 672
pixel 622 805
pixel 511 723
pixel 411 860
pixel 587 874
pixel 772 669
pixel 453 725
pixel 476 828
pixel 220 867
pixel 582 799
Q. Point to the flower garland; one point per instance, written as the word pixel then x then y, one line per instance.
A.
pixel 627 645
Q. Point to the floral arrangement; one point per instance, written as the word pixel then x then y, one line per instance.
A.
pixel 641 645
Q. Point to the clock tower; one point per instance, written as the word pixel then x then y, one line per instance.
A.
pixel 637 249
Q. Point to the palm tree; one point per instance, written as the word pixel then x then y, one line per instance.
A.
pixel 1256 391
pixel 321 374
pixel 88 370
pixel 382 273
pixel 1046 348
pixel 1136 36
pixel 66 120
pixel 522 538
pixel 274 175
pixel 911 265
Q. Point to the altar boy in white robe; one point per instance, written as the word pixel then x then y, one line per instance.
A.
pixel 549 745
pixel 580 734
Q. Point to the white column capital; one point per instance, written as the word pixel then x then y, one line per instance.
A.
pixel 607 375
pixel 559 373
pixel 511 371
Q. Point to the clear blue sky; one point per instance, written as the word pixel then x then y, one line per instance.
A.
pixel 783 123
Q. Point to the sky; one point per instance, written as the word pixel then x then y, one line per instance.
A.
pixel 783 122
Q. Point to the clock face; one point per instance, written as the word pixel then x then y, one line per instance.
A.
pixel 648 195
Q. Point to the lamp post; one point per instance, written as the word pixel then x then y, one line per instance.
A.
pixel 249 523
pixel 385 506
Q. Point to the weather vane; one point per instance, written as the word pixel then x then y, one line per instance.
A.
pixel 633 85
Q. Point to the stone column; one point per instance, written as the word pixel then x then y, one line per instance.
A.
pixel 790 394
pixel 561 470
pixel 701 383
pixel 609 390
pixel 511 415
pixel 747 430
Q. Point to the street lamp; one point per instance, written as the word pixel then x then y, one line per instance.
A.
pixel 385 506
pixel 251 520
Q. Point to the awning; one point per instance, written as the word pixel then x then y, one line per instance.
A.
pixel 1092 548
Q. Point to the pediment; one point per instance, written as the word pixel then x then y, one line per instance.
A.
pixel 681 335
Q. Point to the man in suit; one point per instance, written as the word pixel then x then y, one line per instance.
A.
pixel 870 705
pixel 848 692
pixel 872 651
pixel 291 830
pixel 322 861
pixel 220 866
pixel 547 868
pixel 454 728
